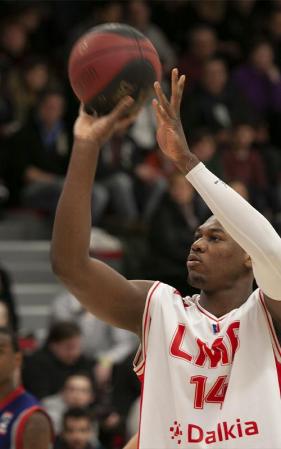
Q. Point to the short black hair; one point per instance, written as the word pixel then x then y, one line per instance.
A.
pixel 63 330
pixel 6 330
pixel 77 413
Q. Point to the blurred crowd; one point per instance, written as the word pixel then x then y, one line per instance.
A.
pixel 230 52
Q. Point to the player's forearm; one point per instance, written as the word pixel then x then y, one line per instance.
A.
pixel 245 225
pixel 71 233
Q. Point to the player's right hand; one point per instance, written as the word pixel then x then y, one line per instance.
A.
pixel 97 130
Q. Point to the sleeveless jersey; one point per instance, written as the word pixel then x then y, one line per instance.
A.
pixel 208 382
pixel 15 410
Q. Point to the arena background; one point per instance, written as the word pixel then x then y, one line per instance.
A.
pixel 230 52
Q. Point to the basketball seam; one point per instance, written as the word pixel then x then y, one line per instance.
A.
pixel 120 47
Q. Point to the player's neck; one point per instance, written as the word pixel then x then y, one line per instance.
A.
pixel 220 302
pixel 6 388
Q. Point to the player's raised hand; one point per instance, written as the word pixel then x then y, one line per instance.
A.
pixel 170 134
pixel 97 130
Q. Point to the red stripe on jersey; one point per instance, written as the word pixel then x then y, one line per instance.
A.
pixel 21 424
pixel 271 327
pixel 146 323
pixel 212 317
pixel 278 366
pixel 11 397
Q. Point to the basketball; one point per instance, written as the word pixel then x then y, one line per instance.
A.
pixel 109 62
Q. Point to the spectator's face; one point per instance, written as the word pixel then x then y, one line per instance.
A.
pixel 180 190
pixel 36 77
pixel 214 77
pixel 139 14
pixel 67 351
pixel 204 44
pixel 77 433
pixel 78 392
pixel 51 109
pixel 240 188
pixel 244 136
pixel 9 360
pixel 262 57
pixel 14 39
pixel 205 148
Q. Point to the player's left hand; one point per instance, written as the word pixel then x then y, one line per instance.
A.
pixel 97 130
pixel 170 134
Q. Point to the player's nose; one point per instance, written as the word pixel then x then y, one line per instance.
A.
pixel 199 245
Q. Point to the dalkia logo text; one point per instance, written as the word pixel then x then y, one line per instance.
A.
pixel 224 431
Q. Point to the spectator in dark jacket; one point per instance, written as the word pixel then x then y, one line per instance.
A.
pixel 45 371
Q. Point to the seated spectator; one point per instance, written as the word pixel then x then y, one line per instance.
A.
pixel 173 222
pixel 139 12
pixel 243 162
pixel 41 150
pixel 203 144
pixel 214 104
pixel 202 45
pixel 102 343
pixel 271 157
pixel 77 431
pixel 77 391
pixel 260 80
pixel 45 371
pixel 25 84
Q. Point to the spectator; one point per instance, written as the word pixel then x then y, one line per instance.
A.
pixel 214 104
pixel 203 144
pixel 173 222
pixel 41 149
pixel 77 431
pixel 26 83
pixel 102 343
pixel 45 371
pixel 244 163
pixel 77 391
pixel 139 17
pixel 202 45
pixel 259 79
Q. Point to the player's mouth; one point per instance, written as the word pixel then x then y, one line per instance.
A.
pixel 193 261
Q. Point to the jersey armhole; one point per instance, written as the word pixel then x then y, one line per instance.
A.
pixel 139 360
pixel 21 424
pixel 274 339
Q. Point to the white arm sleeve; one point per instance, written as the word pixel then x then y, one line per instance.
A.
pixel 246 226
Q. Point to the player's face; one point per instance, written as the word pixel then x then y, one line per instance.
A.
pixel 9 359
pixel 215 260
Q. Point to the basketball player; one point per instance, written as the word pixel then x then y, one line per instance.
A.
pixel 23 423
pixel 210 363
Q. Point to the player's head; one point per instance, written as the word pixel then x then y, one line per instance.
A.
pixel 216 261
pixel 10 356
pixel 64 341
pixel 77 428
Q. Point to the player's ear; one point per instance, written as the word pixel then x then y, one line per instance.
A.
pixel 247 261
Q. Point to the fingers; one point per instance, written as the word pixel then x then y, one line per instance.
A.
pixel 161 114
pixel 120 109
pixel 162 99
pixel 177 87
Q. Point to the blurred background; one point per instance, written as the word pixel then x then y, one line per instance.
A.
pixel 145 212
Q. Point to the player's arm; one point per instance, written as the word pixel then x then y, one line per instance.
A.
pixel 132 443
pixel 103 291
pixel 245 224
pixel 37 433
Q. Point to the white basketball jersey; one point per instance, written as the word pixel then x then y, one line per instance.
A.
pixel 208 382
